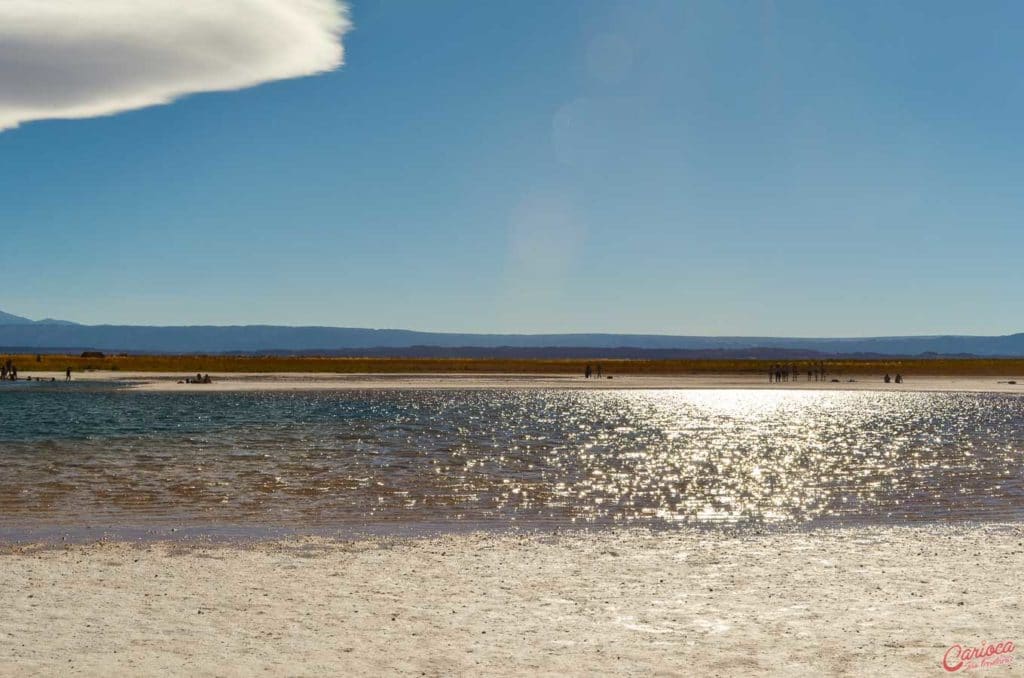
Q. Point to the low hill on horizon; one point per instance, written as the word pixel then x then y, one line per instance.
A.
pixel 11 319
pixel 52 335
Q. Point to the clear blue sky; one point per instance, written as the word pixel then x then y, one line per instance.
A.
pixel 761 168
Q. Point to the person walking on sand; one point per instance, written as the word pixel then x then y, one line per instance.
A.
pixel 587 372
pixel 67 374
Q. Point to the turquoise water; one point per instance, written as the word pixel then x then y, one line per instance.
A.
pixel 73 455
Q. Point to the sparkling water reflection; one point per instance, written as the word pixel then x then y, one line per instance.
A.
pixel 646 457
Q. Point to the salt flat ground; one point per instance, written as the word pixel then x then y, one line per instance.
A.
pixel 846 602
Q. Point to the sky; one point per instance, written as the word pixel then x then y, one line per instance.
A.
pixel 743 168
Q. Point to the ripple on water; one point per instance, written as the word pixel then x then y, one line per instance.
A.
pixel 645 457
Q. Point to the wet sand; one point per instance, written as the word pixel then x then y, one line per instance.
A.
pixel 876 601
pixel 237 382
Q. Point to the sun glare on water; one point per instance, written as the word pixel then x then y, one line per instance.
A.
pixel 655 457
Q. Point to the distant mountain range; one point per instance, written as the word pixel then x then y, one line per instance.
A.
pixel 9 319
pixel 19 334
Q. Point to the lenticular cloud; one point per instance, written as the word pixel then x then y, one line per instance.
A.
pixel 86 58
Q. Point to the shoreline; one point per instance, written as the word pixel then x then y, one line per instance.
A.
pixel 43 535
pixel 297 381
pixel 831 602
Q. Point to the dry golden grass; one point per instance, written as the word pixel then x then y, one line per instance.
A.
pixel 187 364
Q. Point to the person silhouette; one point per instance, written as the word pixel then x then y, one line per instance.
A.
pixel 67 374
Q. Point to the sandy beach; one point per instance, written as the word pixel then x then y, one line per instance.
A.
pixel 238 382
pixel 872 601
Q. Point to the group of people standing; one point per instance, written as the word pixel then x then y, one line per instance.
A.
pixel 778 373
pixel 9 372
pixel 592 371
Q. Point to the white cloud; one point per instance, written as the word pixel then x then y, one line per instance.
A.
pixel 86 58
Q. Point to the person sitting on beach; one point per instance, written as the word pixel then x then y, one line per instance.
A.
pixel 206 379
pixel 899 378
pixel 887 378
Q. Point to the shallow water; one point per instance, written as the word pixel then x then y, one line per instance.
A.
pixel 73 456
